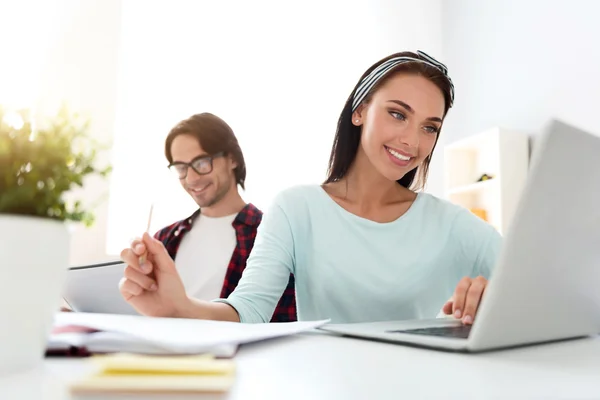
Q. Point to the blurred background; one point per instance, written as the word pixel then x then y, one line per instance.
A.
pixel 279 74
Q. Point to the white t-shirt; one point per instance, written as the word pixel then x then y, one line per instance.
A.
pixel 204 254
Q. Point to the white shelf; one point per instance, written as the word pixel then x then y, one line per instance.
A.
pixel 499 153
pixel 472 187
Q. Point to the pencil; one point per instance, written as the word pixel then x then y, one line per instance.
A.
pixel 143 256
pixel 149 218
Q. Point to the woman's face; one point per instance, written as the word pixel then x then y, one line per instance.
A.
pixel 400 124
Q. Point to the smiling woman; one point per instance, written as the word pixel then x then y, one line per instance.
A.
pixel 431 92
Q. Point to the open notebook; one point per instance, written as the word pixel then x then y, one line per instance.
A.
pixel 74 340
pixel 81 333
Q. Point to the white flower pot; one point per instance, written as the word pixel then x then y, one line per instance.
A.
pixel 34 258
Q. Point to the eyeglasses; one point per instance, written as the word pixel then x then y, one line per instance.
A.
pixel 202 165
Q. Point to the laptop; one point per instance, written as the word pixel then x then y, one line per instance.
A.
pixel 94 288
pixel 546 283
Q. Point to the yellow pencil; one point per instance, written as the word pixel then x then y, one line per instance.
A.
pixel 143 256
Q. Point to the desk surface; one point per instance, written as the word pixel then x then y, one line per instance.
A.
pixel 321 366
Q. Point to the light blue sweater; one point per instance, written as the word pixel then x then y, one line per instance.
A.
pixel 351 269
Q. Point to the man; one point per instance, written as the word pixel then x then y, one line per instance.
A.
pixel 210 248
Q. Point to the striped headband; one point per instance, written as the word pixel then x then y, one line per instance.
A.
pixel 374 76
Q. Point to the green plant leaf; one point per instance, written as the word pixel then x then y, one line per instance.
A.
pixel 37 169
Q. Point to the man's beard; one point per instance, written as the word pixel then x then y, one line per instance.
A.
pixel 223 190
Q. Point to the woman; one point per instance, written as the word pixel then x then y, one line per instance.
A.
pixel 365 245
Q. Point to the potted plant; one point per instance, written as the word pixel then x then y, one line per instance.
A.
pixel 40 163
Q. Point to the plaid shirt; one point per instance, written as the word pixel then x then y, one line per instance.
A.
pixel 245 225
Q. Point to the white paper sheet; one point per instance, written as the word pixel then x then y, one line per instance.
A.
pixel 111 342
pixel 184 335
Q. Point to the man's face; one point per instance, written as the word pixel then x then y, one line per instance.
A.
pixel 207 185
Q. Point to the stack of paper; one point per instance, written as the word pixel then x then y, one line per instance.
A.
pixel 128 373
pixel 75 340
pixel 149 335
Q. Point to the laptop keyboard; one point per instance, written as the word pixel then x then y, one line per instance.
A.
pixel 460 331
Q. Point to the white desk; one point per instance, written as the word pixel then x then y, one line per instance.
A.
pixel 319 366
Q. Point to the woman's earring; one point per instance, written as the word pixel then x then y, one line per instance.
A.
pixel 356 120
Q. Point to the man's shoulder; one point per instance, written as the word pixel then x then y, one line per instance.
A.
pixel 250 215
pixel 174 229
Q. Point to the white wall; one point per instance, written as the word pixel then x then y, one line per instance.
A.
pixel 84 70
pixel 518 63
pixel 277 72
pixel 66 50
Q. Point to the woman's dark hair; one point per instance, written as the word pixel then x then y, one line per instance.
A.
pixel 347 135
pixel 214 136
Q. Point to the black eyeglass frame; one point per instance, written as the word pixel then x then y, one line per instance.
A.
pixel 209 158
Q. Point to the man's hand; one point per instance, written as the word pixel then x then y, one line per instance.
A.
pixel 155 287
pixel 465 301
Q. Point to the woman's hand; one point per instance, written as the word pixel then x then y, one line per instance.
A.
pixel 465 301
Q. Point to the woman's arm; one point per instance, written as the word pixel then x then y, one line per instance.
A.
pixel 479 245
pixel 267 271
pixel 156 289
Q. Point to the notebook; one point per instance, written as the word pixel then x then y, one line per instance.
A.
pixel 107 333
pixel 80 341
pixel 94 288
pixel 135 374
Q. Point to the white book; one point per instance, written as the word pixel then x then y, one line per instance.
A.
pixel 107 333
pixel 99 342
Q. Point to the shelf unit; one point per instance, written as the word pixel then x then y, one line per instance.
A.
pixel 499 153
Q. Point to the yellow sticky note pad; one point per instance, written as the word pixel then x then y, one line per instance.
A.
pixel 139 373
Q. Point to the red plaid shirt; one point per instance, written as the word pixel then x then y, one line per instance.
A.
pixel 245 225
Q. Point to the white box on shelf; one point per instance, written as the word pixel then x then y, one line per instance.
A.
pixel 486 173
